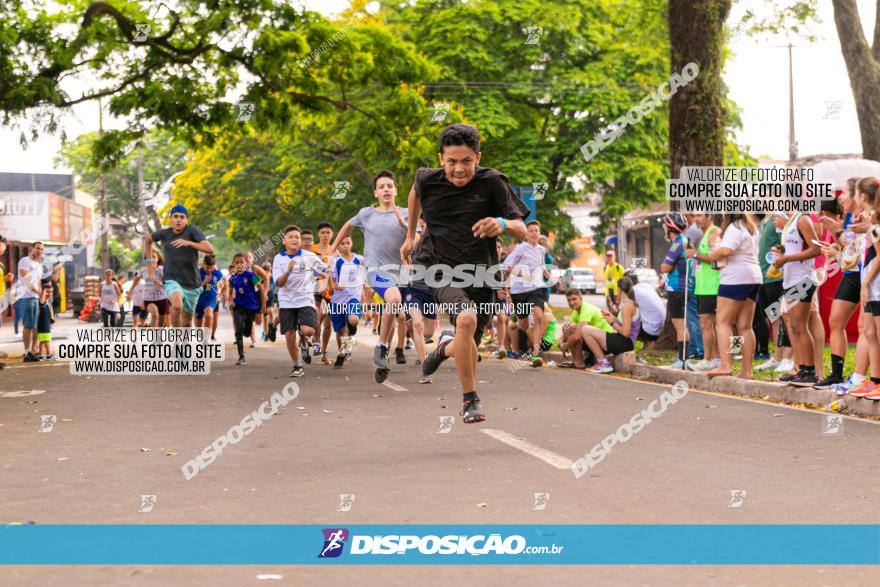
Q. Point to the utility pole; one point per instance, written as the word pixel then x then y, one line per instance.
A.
pixel 105 246
pixel 792 143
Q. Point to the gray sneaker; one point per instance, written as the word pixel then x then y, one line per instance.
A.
pixel 380 357
pixel 425 378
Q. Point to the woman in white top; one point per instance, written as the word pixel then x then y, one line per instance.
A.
pixel 739 281
pixel 110 293
pixel 798 282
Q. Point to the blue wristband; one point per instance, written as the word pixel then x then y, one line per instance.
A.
pixel 503 223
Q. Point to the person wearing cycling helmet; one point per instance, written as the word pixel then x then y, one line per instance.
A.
pixel 675 268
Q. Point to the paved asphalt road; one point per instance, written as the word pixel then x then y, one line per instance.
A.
pixel 346 434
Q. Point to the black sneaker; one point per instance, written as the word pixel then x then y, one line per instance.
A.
pixel 804 379
pixel 29 357
pixel 241 361
pixel 273 332
pixel 399 357
pixel 788 377
pixel 828 382
pixel 297 371
pixel 340 360
pixel 305 351
pixel 472 412
pixel 435 357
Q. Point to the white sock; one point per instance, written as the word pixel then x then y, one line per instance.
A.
pixel 856 378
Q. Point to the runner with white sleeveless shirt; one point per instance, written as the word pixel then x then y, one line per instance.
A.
pixel 797 265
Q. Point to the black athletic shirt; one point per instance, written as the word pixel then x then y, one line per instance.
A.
pixel 450 213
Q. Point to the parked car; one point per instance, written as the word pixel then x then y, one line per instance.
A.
pixel 583 280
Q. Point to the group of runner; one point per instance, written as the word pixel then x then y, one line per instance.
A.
pixel 760 279
pixel 312 291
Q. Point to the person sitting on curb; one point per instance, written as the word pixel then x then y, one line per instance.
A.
pixel 583 314
pixel 625 329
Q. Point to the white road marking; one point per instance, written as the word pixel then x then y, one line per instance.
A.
pixel 394 386
pixel 551 458
pixel 23 393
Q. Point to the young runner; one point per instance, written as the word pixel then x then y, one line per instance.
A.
pixel 465 208
pixel 44 323
pixel 322 296
pixel 347 284
pixel 155 300
pixel 269 325
pixel 210 278
pixel 181 243
pixel 294 270
pixel 526 261
pixel 675 265
pixel 384 228
pixel 797 266
pixel 109 299
pixel 244 284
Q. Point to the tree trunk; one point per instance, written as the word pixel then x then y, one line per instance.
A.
pixel 863 66
pixel 696 111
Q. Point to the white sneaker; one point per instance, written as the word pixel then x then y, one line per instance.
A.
pixel 785 365
pixel 771 364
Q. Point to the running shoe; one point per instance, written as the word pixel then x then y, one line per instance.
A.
pixel 49 357
pixel 500 354
pixel 804 379
pixel 409 344
pixel 537 362
pixel 784 366
pixel 380 357
pixel 829 382
pixel 472 411
pixel 324 359
pixel 512 354
pixel 843 388
pixel 676 364
pixel 316 348
pixel 29 357
pixel 602 366
pixel 425 378
pixel 273 331
pixel 380 361
pixel 435 357
pixel 340 360
pixel 297 371
pixel 304 349
pixel 864 388
pixel 769 364
pixel 241 361
pixel 703 365
pixel 874 395
pixel 788 377
pixel 399 357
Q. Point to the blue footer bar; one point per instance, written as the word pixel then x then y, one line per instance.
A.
pixel 180 544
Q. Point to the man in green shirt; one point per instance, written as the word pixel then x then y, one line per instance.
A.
pixel 706 279
pixel 582 313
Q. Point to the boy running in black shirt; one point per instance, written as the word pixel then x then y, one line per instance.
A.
pixel 465 207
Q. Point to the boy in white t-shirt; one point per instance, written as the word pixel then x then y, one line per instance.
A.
pixel 347 273
pixel 527 289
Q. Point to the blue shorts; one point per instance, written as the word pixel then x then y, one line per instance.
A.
pixel 202 305
pixel 421 299
pixel 339 313
pixel 190 296
pixel 27 309
pixel 740 291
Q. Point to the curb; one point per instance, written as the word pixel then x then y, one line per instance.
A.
pixel 827 401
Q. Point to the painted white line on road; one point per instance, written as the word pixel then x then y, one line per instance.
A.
pixel 394 386
pixel 551 458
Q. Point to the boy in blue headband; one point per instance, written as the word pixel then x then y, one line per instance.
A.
pixel 181 243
